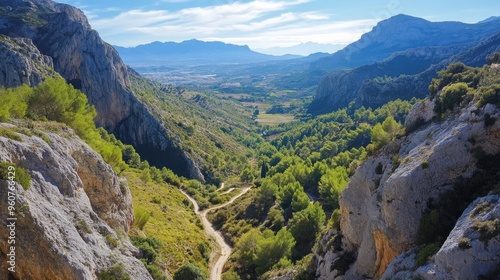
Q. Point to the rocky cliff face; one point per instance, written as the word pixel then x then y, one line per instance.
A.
pixel 383 203
pixel 464 255
pixel 22 62
pixel 73 212
pixel 63 33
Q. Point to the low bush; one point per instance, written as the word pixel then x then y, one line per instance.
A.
pixel 464 243
pixel 189 271
pixel 115 272
pixel 141 217
pixel 425 252
pixel 21 175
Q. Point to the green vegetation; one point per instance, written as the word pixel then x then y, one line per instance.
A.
pixel 425 252
pixel 149 247
pixel 189 271
pixel 260 251
pixel 115 272
pixel 54 105
pixel 299 172
pixel 311 158
pixel 461 84
pixel 141 216
pixel 19 175
pixel 316 157
pixel 55 100
pixel 219 133
pixel 8 133
pixel 111 241
pixel 174 234
pixel 305 225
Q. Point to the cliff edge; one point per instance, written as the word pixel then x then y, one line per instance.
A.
pixel 73 216
pixel 62 33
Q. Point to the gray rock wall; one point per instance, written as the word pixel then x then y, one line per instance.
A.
pixel 22 62
pixel 74 206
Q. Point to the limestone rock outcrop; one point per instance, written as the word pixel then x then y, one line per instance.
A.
pixel 22 62
pixel 467 253
pixel 72 221
pixel 382 205
pixel 79 55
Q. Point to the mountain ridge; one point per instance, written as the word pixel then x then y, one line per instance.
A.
pixel 402 32
pixel 194 52
pixel 358 84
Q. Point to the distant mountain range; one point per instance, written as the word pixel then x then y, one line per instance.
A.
pixel 404 32
pixel 192 52
pixel 304 49
pixel 398 59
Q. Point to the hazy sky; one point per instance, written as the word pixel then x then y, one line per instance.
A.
pixel 263 23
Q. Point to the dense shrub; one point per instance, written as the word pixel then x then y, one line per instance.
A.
pixel 189 271
pixel 141 217
pixel 425 252
pixel 451 96
pixel 489 94
pixel 148 246
pixel 115 272
pixel 22 176
pixel 304 226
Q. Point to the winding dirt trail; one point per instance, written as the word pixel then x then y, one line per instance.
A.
pixel 216 268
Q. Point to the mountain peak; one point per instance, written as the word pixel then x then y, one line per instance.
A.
pixel 404 17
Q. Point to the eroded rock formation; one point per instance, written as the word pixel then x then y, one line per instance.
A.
pixel 74 211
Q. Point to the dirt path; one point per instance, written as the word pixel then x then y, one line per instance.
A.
pixel 216 268
pixel 228 191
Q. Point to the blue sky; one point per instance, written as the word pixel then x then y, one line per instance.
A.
pixel 263 24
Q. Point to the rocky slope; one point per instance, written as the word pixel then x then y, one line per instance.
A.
pixel 382 206
pixel 63 33
pixel 22 62
pixel 464 255
pixel 72 221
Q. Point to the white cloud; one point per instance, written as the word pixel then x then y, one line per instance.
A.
pixel 337 33
pixel 258 23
